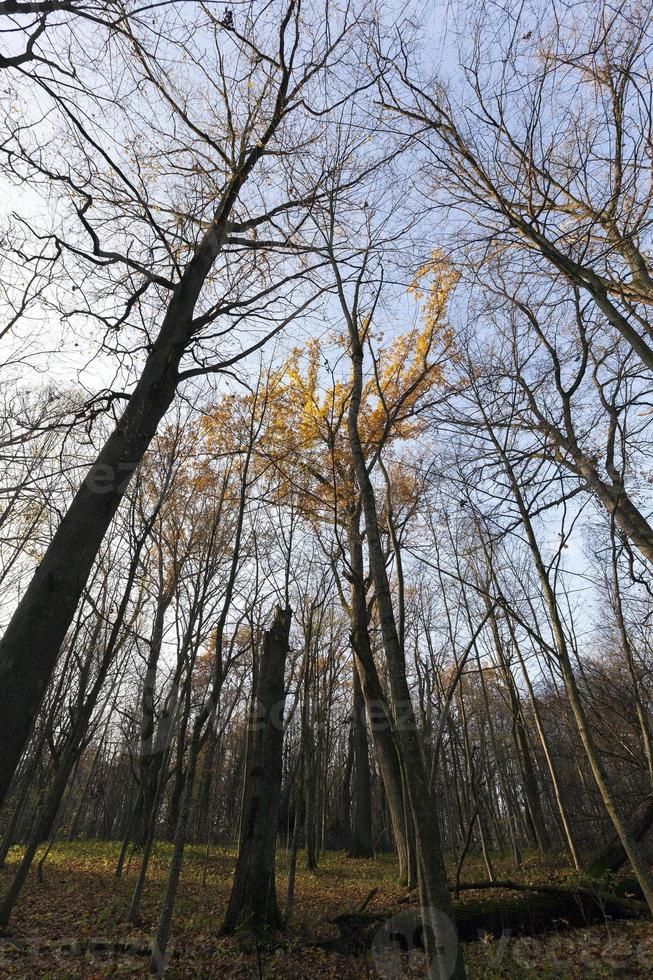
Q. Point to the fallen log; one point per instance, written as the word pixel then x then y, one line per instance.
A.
pixel 613 856
pixel 632 906
pixel 540 908
pixel 535 909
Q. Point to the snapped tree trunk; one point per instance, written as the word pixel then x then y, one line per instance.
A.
pixel 253 901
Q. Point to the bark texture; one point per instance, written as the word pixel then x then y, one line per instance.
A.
pixel 253 902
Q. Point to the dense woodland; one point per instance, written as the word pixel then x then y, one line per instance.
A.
pixel 326 388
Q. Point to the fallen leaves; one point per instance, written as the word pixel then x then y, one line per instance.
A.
pixel 74 924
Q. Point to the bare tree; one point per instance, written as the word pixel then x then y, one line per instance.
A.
pixel 188 268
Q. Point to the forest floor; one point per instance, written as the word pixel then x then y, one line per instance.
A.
pixel 69 925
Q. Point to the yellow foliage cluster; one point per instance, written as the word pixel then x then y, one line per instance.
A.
pixel 301 413
pixel 433 284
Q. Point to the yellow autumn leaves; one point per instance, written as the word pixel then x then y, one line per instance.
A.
pixel 300 408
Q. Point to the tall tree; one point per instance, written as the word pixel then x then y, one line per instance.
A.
pixel 285 73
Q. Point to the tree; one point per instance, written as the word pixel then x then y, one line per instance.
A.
pixel 577 214
pixel 253 901
pixel 283 78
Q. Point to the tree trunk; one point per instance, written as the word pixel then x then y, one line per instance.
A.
pixel 253 901
pixel 309 770
pixel 432 878
pixel 202 832
pixel 31 642
pixel 292 866
pixel 149 754
pixel 553 772
pixel 621 827
pixel 642 714
pixel 613 855
pixel 159 945
pixel 378 710
pixel 532 793
pixel 361 846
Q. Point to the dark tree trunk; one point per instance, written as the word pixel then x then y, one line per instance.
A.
pixel 342 824
pixel 532 794
pixel 30 645
pixel 31 642
pixel 375 701
pixel 613 855
pixel 253 902
pixel 179 770
pixel 45 817
pixel 46 813
pixel 432 876
pixel 149 754
pixel 310 772
pixel 361 845
pixel 202 831
pixel 172 818
pixel 292 867
pixel 597 765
